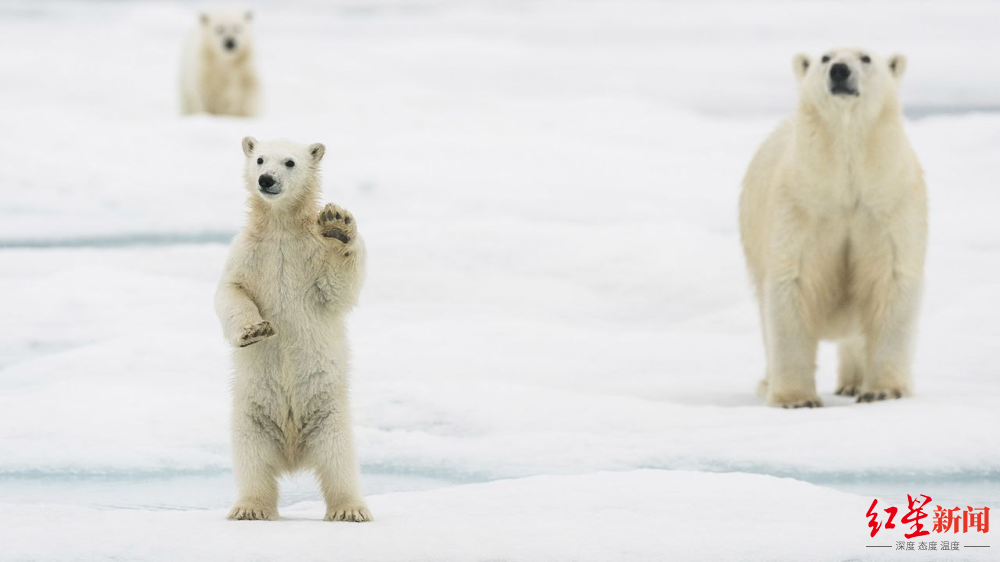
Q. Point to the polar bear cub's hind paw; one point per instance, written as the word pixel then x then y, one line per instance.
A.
pixel 356 514
pixel 255 333
pixel 337 223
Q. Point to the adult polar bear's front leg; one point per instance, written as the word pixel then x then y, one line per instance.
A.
pixel 890 273
pixel 788 331
pixel 791 353
pixel 342 271
pixel 889 344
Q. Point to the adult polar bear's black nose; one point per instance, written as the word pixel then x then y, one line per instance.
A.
pixel 840 72
pixel 265 181
pixel 230 43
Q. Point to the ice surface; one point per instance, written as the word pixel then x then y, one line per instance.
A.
pixel 556 289
pixel 637 515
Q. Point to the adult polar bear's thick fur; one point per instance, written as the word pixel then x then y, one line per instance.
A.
pixel 833 218
pixel 293 273
pixel 218 73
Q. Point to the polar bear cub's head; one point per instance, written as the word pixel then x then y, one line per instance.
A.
pixel 848 78
pixel 227 34
pixel 282 171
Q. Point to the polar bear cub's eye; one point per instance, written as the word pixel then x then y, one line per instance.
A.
pixel 220 30
pixel 260 161
pixel 290 164
pixel 826 58
pixel 866 59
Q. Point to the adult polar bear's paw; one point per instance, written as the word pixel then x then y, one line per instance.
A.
pixel 806 403
pixel 255 333
pixel 337 223
pixel 357 513
pixel 794 400
pixel 848 389
pixel 252 513
pixel 882 394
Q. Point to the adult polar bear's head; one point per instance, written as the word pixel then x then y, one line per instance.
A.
pixel 227 34
pixel 282 172
pixel 849 79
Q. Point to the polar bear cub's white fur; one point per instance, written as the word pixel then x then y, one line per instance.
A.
pixel 218 73
pixel 833 218
pixel 293 273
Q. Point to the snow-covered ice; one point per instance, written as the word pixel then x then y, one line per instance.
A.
pixel 557 342
pixel 635 515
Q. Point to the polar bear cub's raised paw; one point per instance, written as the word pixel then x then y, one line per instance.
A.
pixel 337 223
pixel 255 333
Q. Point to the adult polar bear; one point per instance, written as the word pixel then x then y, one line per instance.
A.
pixel 833 218
pixel 293 273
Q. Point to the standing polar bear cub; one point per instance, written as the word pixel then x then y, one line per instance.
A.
pixel 293 273
pixel 833 219
pixel 218 73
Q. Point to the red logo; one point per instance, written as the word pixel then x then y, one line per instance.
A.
pixel 954 520
pixel 914 516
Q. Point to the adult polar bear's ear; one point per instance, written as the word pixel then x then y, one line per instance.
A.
pixel 248 16
pixel 203 18
pixel 249 143
pixel 897 65
pixel 316 151
pixel 800 65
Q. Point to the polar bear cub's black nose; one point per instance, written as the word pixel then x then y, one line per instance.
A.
pixel 265 181
pixel 840 72
pixel 230 43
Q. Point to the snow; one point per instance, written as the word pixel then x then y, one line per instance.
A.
pixel 557 325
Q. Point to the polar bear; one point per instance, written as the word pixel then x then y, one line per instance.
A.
pixel 833 219
pixel 218 73
pixel 293 273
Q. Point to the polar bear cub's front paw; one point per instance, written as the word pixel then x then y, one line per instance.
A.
pixel 255 333
pixel 337 223
pixel 357 513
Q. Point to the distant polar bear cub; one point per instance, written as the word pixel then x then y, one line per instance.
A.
pixel 218 74
pixel 293 273
pixel 833 218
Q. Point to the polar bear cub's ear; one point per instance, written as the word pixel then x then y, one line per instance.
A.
pixel 249 143
pixel 248 16
pixel 316 151
pixel 897 65
pixel 204 19
pixel 800 65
